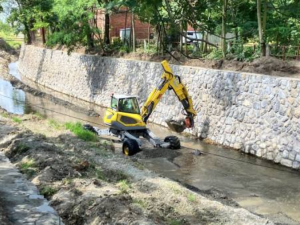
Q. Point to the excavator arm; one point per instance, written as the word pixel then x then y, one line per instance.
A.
pixel 171 81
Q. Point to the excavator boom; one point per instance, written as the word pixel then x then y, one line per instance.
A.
pixel 171 81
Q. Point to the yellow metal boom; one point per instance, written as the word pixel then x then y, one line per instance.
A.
pixel 170 81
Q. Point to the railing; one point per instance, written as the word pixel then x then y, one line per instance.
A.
pixel 285 52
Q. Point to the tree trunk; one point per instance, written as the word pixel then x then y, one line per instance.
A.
pixel 106 32
pixel 149 28
pixel 202 42
pixel 260 29
pixel 158 38
pixel 181 38
pixel 43 33
pixel 264 27
pixel 206 45
pixel 27 33
pixel 133 33
pixel 224 17
pixel 125 35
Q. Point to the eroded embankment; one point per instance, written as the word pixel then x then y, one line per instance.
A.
pixel 88 184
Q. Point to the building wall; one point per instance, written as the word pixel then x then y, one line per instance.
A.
pixel 256 114
pixel 117 22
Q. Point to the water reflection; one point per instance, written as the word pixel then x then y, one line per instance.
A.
pixel 13 70
pixel 11 99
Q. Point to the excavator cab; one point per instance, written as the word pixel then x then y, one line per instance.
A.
pixel 124 113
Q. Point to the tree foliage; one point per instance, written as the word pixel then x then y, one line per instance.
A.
pixel 71 23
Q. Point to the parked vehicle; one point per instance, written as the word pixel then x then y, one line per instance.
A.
pixel 191 37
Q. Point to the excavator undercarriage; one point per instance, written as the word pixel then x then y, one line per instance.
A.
pixel 127 122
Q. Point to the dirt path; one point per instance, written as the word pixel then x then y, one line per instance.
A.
pixel 87 183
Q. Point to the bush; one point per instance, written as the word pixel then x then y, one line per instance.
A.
pixel 48 191
pixel 215 54
pixel 16 120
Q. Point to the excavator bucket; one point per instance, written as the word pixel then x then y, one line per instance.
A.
pixel 176 126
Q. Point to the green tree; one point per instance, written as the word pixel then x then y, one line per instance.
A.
pixel 73 23
pixel 28 15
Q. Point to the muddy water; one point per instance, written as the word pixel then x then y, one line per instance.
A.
pixel 255 184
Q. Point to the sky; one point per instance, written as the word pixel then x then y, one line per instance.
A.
pixel 6 8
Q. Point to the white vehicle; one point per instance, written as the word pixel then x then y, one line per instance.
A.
pixel 193 35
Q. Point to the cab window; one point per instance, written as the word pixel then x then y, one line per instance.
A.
pixel 114 103
pixel 129 105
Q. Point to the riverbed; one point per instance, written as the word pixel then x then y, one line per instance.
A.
pixel 258 185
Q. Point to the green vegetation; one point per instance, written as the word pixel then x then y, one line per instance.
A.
pixel 22 148
pixel 191 198
pixel 174 222
pixel 80 132
pixel 38 115
pixel 16 119
pixel 48 191
pixel 175 189
pixel 99 174
pixel 54 124
pixel 67 181
pixel 124 186
pixel 7 34
pixel 28 167
pixel 230 29
pixel 5 114
pixel 140 203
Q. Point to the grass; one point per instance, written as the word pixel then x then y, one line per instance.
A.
pixel 7 33
pixel 48 191
pixel 38 115
pixel 16 119
pixel 174 222
pixel 5 114
pixel 28 167
pixel 175 189
pixel 80 132
pixel 54 124
pixel 101 152
pixel 67 181
pixel 99 174
pixel 124 186
pixel 191 198
pixel 140 203
pixel 22 148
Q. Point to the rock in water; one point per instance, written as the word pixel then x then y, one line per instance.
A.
pixel 197 152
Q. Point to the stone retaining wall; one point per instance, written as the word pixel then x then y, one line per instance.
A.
pixel 257 114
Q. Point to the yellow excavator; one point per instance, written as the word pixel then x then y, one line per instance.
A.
pixel 128 122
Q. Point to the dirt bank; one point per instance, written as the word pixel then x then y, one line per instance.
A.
pixel 89 184
pixel 264 65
